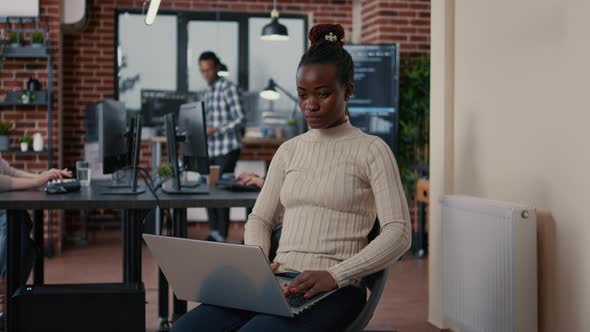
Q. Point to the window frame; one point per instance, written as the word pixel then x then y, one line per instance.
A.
pixel 186 16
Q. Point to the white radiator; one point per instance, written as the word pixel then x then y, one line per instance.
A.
pixel 489 265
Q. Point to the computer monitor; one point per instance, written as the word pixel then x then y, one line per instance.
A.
pixel 119 145
pixel 155 104
pixel 192 126
pixel 113 136
pixel 193 137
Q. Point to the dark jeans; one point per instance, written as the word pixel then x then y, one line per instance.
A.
pixel 333 313
pixel 219 217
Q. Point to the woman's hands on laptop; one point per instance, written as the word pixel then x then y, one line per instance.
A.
pixel 311 282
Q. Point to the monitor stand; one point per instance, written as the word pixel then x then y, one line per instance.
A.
pixel 121 179
pixel 188 188
pixel 123 191
pixel 191 184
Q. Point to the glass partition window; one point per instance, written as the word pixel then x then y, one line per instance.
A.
pixel 219 37
pixel 146 56
pixel 164 56
pixel 275 59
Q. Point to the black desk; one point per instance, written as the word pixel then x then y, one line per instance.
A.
pixel 218 198
pixel 135 208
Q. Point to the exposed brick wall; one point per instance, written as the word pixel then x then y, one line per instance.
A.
pixel 27 119
pixel 406 22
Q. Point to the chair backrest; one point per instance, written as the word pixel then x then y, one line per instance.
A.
pixel 375 282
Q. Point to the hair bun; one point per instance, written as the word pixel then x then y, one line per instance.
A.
pixel 326 33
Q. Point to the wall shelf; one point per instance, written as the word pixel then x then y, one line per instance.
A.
pixel 34 103
pixel 14 99
pixel 20 27
pixel 18 151
pixel 26 52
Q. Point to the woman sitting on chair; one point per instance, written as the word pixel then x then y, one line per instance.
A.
pixel 333 182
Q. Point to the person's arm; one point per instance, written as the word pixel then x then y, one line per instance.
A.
pixel 6 169
pixel 236 114
pixel 261 221
pixel 20 183
pixel 392 211
pixel 23 174
pixel 26 183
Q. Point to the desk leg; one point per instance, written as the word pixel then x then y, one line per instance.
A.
pixel 179 230
pixel 13 273
pixel 38 271
pixel 132 230
pixel 163 292
pixel 421 230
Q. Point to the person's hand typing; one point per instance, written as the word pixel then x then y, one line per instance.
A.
pixel 250 179
pixel 53 174
pixel 312 282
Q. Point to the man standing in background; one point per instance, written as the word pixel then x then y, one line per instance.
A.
pixel 225 119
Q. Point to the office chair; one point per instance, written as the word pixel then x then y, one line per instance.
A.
pixel 375 282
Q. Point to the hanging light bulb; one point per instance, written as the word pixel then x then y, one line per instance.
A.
pixel 274 30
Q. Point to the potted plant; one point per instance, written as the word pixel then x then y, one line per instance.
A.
pixel 5 128
pixel 25 141
pixel 15 38
pixel 37 38
pixel 291 128
pixel 27 97
pixel 164 172
pixel 414 120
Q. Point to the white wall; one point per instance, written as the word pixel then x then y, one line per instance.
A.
pixel 521 128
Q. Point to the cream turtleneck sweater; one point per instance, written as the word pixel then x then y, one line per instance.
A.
pixel 333 183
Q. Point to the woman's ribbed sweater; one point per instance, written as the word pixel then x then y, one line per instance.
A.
pixel 333 183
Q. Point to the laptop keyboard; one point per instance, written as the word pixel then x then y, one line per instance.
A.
pixel 296 300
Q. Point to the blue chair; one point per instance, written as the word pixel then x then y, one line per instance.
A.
pixel 375 282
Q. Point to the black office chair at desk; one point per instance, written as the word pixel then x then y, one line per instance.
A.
pixel 375 282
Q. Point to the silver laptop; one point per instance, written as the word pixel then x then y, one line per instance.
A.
pixel 227 275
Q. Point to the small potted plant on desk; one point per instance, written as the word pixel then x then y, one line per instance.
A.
pixel 164 172
pixel 5 128
pixel 25 142
pixel 291 128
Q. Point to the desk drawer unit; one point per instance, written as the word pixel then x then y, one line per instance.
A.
pixel 81 307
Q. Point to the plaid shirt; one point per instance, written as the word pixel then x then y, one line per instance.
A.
pixel 224 112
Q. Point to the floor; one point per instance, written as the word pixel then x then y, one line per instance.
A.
pixel 403 306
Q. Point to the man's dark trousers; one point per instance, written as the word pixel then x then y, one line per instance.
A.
pixel 219 217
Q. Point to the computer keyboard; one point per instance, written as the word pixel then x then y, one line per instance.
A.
pixel 62 186
pixel 234 185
